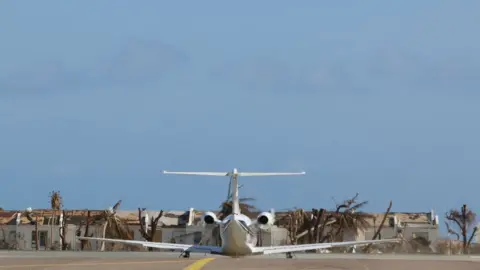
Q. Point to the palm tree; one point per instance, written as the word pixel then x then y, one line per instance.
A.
pixel 56 203
pixel 310 224
pixel 245 207
pixel 114 225
pixel 296 221
pixel 347 217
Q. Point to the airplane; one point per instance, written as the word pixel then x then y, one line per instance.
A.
pixel 237 231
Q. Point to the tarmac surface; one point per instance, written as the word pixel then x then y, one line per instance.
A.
pixel 170 261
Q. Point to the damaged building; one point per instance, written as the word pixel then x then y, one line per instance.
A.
pixel 17 232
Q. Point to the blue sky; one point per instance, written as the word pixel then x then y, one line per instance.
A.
pixel 371 97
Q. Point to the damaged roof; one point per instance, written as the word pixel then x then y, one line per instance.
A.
pixel 177 218
pixel 169 218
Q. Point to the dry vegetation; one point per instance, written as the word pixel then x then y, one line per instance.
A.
pixel 464 219
pixel 148 228
pixel 322 225
pixel 319 225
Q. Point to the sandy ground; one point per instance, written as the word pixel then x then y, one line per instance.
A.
pixel 162 260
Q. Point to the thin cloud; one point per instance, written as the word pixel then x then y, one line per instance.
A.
pixel 132 63
pixel 142 61
pixel 263 74
pixel 36 79
pixel 442 72
pixel 382 70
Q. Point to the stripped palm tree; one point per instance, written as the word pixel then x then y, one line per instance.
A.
pixel 114 226
pixel 310 224
pixel 246 208
pixel 295 221
pixel 348 217
pixel 56 203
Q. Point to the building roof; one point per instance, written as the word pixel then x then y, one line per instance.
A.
pixel 169 218
pixel 178 218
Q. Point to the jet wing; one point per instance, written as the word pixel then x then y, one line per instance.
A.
pixel 294 248
pixel 160 245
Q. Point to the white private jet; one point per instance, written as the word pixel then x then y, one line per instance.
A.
pixel 237 230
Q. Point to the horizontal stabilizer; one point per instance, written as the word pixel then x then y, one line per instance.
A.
pixel 237 173
pixel 199 173
pixel 269 174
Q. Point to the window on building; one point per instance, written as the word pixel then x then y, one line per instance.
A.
pixel 34 240
pixel 420 234
pixel 42 238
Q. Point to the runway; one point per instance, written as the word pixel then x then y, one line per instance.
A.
pixel 170 261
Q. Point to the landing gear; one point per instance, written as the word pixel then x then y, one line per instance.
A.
pixel 185 254
pixel 289 255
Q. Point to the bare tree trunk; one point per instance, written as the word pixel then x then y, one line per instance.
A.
pixel 63 231
pixel 52 224
pixel 380 227
pixel 294 224
pixel 37 244
pixel 153 226
pixel 464 228
pixel 320 217
pixel 84 243
pixel 474 232
pixel 102 248
pixel 149 235
pixel 325 223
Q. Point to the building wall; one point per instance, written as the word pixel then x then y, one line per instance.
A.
pixel 477 240
pixel 274 237
pixel 187 235
pixel 279 236
pixel 137 235
pixel 431 233
pixel 21 236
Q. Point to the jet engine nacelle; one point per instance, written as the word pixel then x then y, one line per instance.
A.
pixel 209 218
pixel 265 219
